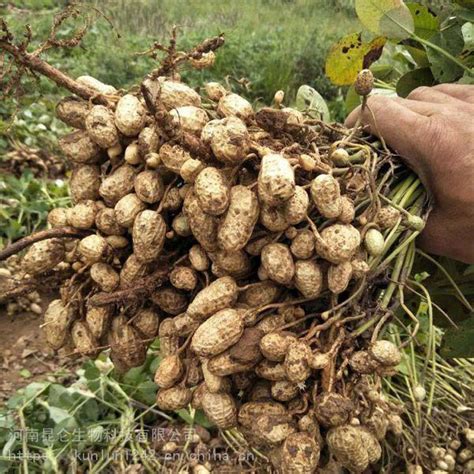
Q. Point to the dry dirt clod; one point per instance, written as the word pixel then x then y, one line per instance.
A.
pixel 333 409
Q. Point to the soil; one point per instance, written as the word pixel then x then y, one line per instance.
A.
pixel 25 356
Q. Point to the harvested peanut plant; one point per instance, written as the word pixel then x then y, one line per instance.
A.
pixel 265 248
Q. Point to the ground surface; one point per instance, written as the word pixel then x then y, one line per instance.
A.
pixel 25 356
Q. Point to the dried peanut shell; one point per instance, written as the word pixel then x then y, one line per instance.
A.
pixel 218 333
pixel 84 183
pixel 278 263
pixel 220 294
pixel 240 219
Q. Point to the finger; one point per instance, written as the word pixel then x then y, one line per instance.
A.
pixel 427 109
pixel 399 126
pixel 435 96
pixel 459 91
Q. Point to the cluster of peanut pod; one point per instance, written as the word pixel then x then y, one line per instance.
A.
pixel 265 223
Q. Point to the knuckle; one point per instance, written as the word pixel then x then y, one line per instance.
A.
pixel 419 93
pixel 442 87
pixel 377 102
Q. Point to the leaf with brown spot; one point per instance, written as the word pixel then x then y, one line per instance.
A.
pixel 350 55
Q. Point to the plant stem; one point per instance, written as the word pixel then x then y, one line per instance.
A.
pixel 440 50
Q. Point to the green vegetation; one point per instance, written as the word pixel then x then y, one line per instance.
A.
pixel 25 202
pixel 274 44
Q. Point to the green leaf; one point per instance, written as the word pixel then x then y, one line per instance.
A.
pixel 467 78
pixel 456 311
pixel 58 414
pixel 390 18
pixel 419 56
pixel 459 342
pixel 95 434
pixel 146 392
pixel 186 416
pixel 465 14
pixel 349 56
pixel 33 389
pixel 466 3
pixel 155 363
pixel 469 270
pixel 199 418
pixel 311 101
pixel 134 376
pixel 25 373
pixel 413 79
pixel 426 23
pixel 353 100
pixel 452 41
pixel 468 35
pixel 383 72
pixel 91 410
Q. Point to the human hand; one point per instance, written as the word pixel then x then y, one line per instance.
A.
pixel 433 131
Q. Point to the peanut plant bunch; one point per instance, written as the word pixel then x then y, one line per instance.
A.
pixel 265 248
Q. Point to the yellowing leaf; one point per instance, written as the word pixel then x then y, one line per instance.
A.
pixel 350 55
pixel 390 18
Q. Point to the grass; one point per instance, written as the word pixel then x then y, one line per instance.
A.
pixel 275 44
